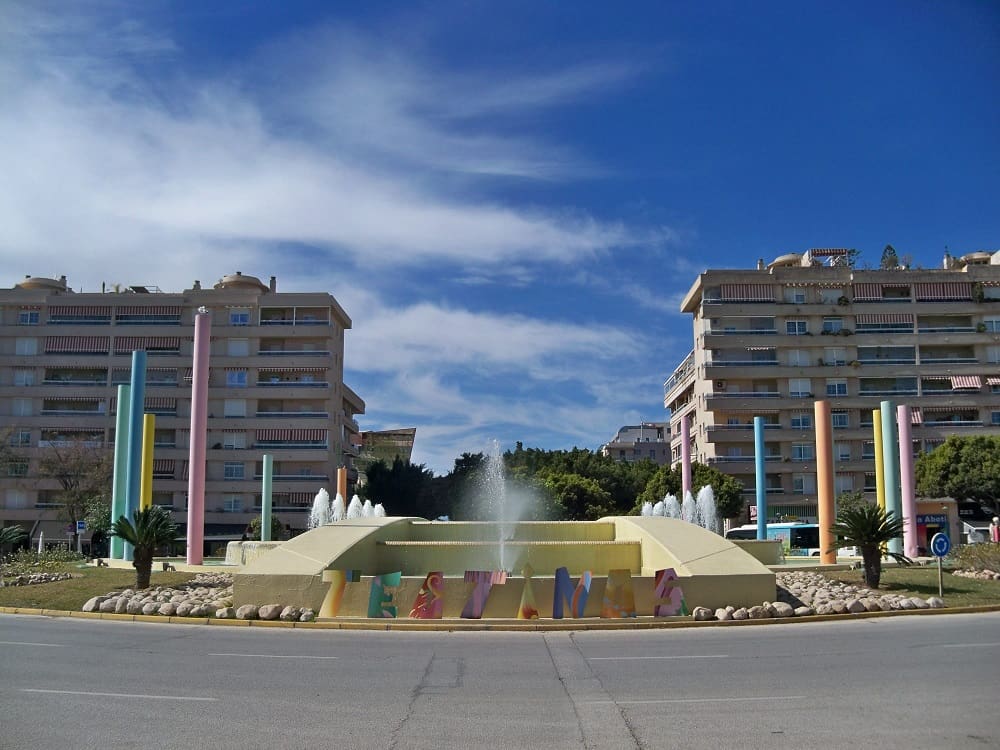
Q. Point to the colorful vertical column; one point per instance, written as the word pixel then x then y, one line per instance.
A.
pixel 879 463
pixel 685 455
pixel 119 481
pixel 758 454
pixel 907 483
pixel 146 480
pixel 342 481
pixel 133 469
pixel 265 499
pixel 199 438
pixel 824 482
pixel 890 460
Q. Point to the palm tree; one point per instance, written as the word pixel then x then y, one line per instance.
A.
pixel 9 535
pixel 869 528
pixel 151 528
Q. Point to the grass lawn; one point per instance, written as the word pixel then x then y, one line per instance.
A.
pixel 922 581
pixel 87 582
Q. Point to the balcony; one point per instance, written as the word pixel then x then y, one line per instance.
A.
pixel 746 394
pixel 295 477
pixel 276 383
pixel 888 392
pixel 742 363
pixel 267 414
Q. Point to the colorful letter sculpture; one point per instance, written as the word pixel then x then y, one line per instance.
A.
pixel 484 580
pixel 619 600
pixel 429 603
pixel 338 580
pixel 527 610
pixel 668 598
pixel 380 599
pixel 564 593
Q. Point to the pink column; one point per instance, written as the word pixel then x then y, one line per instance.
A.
pixel 685 456
pixel 199 439
pixel 824 483
pixel 907 482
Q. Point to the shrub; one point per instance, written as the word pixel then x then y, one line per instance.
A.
pixel 976 557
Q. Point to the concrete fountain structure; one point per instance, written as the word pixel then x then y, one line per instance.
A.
pixel 376 566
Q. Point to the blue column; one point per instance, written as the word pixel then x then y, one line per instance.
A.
pixel 133 469
pixel 758 450
pixel 119 481
pixel 890 459
pixel 265 499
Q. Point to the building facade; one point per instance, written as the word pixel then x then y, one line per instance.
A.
pixel 647 441
pixel 773 340
pixel 384 445
pixel 275 387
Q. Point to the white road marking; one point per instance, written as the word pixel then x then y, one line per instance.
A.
pixel 644 658
pixel 120 695
pixel 29 643
pixel 707 700
pixel 275 656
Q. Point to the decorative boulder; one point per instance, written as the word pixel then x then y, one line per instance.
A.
pixel 307 615
pixel 758 613
pixel 722 613
pixel 150 608
pixel 290 614
pixel 94 604
pixel 935 602
pixel 247 612
pixel 108 605
pixel 702 614
pixel 270 611
pixel 168 609
pixel 854 606
pixel 804 611
pixel 134 607
pixel 225 613
pixel 184 609
pixel 740 614
pixel 781 609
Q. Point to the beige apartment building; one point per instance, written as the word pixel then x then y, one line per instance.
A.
pixel 646 441
pixel 771 341
pixel 276 387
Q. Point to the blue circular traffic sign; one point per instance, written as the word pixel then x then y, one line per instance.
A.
pixel 940 544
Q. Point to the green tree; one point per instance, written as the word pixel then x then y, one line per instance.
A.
pixel 869 528
pixel 965 468
pixel 404 489
pixel 727 489
pixel 9 535
pixel 97 516
pixel 149 528
pixel 890 260
pixel 254 528
pixel 83 471
pixel 851 499
pixel 579 497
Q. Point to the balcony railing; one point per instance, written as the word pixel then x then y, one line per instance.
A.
pixel 291 444
pixel 947 360
pixel 744 332
pixel 889 392
pixel 292 383
pixel 290 352
pixel 292 414
pixel 946 329
pixel 74 382
pixel 884 361
pixel 742 363
pixel 72 412
pixel 952 422
pixel 747 394
pixel 295 477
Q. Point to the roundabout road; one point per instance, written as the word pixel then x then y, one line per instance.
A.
pixel 900 682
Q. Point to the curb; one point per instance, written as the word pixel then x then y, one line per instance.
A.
pixel 526 626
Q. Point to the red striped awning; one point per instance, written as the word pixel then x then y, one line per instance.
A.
pixel 828 252
pixel 149 310
pixel 290 435
pixel 992 381
pixel 157 402
pixel 943 290
pixel 163 465
pixel 916 417
pixel 126 344
pixel 76 344
pixel 185 469
pixel 883 318
pixel 291 369
pixel 867 292
pixel 966 381
pixel 80 311
pixel 760 348
pixel 293 498
pixel 747 293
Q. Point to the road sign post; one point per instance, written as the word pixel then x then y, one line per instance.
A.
pixel 940 546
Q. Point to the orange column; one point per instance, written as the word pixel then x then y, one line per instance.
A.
pixel 342 482
pixel 824 482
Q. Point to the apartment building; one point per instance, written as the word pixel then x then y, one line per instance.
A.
pixel 639 442
pixel 275 387
pixel 771 341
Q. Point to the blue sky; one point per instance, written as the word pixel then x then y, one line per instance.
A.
pixel 509 199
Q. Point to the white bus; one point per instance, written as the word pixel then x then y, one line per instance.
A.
pixel 797 538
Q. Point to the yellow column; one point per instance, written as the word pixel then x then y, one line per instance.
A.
pixel 146 478
pixel 879 465
pixel 824 483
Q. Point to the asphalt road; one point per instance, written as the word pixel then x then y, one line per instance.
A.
pixel 903 682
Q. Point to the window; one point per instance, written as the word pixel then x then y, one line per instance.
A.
pixel 27 318
pixel 16 499
pixel 833 325
pixel 841 452
pixel 993 354
pixel 732 420
pixel 801 420
pixel 799 387
pixel 239 317
pixel 992 325
pixel 20 438
pixel 843 483
pixel 803 452
pixel 835 355
pixel 234 440
pixel 836 387
pixel 21 407
pixel 238 347
pixel 24 377
pixel 870 483
pixel 995 417
pixel 804 483
pixel 232 503
pixel 796 327
pixel 868 449
pixel 17 467
pixel 234 407
pixel 26 346
pixel 236 378
pixel 831 296
pixel 840 419
pixel 795 295
pixel 798 358
pixel 233 470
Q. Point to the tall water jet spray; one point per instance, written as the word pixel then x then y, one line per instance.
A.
pixel 339 511
pixel 647 509
pixel 494 487
pixel 366 510
pixel 378 511
pixel 671 508
pixel 355 509
pixel 657 510
pixel 320 513
pixel 708 515
pixel 689 509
